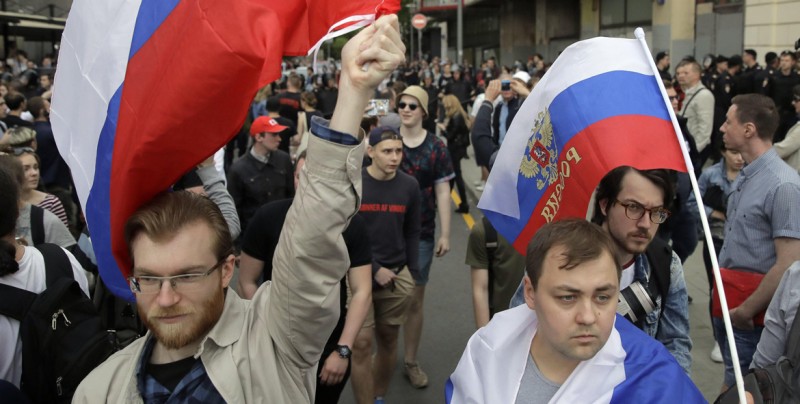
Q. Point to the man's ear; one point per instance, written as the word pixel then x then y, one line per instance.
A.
pixel 227 270
pixel 604 206
pixel 529 293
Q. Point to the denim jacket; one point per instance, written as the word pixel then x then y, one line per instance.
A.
pixel 673 328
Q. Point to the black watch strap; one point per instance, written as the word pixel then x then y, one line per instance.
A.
pixel 344 351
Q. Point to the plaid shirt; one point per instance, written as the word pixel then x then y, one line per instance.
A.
pixel 195 387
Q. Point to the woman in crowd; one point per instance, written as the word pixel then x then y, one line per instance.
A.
pixel 30 192
pixel 456 128
pixel 715 186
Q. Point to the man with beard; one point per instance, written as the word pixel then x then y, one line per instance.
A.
pixel 630 205
pixel 205 344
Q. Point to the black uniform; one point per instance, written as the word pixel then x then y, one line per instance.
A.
pixel 746 81
pixel 781 92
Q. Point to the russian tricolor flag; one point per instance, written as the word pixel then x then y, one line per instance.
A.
pixel 598 107
pixel 631 367
pixel 146 89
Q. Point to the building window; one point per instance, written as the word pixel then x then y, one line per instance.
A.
pixel 620 13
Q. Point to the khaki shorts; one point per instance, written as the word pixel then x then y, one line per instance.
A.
pixel 390 305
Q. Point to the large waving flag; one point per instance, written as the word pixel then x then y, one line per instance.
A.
pixel 598 107
pixel 630 368
pixel 146 89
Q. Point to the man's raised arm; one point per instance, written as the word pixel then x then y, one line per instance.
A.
pixel 311 257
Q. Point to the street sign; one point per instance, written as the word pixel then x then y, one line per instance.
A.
pixel 419 21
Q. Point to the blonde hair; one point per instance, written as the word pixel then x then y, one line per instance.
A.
pixel 453 106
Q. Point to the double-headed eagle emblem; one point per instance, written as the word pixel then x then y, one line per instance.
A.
pixel 541 154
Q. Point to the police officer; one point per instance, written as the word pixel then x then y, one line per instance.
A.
pixel 724 90
pixel 785 78
pixel 746 82
pixel 763 79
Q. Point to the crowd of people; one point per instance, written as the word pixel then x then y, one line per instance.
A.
pixel 326 205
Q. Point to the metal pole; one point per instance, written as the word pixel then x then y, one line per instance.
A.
pixel 419 41
pixel 460 31
pixel 411 41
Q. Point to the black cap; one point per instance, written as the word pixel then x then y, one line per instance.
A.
pixel 382 133
pixel 734 61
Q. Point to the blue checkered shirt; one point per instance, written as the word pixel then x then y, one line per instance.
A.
pixel 195 387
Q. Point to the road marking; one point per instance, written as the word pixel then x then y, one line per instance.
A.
pixel 468 219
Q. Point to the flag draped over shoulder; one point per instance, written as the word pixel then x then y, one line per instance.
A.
pixel 630 368
pixel 598 107
pixel 146 89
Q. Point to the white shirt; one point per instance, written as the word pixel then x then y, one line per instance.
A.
pixel 31 276
pixel 627 276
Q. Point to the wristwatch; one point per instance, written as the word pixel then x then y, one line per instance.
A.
pixel 344 351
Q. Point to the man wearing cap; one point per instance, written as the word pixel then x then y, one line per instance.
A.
pixel 262 175
pixel 426 158
pixel 390 206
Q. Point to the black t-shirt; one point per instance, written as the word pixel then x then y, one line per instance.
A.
pixel 391 210
pixel 286 135
pixel 290 105
pixel 170 374
pixel 261 238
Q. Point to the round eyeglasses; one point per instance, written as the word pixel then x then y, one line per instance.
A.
pixel 635 211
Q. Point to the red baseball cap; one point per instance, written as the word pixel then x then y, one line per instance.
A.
pixel 266 124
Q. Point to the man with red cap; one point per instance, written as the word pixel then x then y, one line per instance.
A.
pixel 262 175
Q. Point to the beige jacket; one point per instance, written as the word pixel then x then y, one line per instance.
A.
pixel 266 350
pixel 789 147
pixel 699 114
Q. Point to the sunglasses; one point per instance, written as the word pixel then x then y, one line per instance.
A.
pixel 403 105
pixel 18 151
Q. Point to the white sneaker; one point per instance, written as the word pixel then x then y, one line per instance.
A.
pixel 716 354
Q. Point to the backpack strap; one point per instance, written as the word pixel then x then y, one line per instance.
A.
pixel 56 263
pixel 15 302
pixel 659 256
pixel 37 225
pixel 490 236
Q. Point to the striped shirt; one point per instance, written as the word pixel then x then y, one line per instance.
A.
pixel 53 204
pixel 761 208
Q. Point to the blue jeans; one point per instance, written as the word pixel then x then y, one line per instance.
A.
pixel 746 342
pixel 426 246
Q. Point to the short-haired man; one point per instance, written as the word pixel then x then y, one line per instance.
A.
pixel 762 232
pixel 567 344
pixel 17 104
pixel 391 209
pixel 697 107
pixel 782 82
pixel 425 158
pixel 630 205
pixel 262 175
pixel 205 344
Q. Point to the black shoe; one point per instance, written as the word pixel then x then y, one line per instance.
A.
pixel 463 208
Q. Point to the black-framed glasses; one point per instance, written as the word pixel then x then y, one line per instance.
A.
pixel 402 105
pixel 635 211
pixel 150 285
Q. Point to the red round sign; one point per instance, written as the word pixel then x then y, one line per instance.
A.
pixel 419 21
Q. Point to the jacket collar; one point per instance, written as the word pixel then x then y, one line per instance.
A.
pixel 228 329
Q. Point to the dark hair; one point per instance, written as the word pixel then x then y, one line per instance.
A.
pixel 36 106
pixel 770 57
pixel 759 110
pixel 294 80
pixel 14 100
pixel 167 214
pixel 9 211
pixel 309 98
pixel 273 104
pixel 611 185
pixel 582 241
pixel 751 52
pixel 13 167
pixel 790 54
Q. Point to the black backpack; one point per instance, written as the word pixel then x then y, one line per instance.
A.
pixel 62 335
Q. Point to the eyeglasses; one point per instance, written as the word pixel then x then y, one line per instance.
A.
pixel 635 211
pixel 150 285
pixel 402 105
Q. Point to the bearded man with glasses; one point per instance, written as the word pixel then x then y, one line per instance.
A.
pixel 207 345
pixel 630 205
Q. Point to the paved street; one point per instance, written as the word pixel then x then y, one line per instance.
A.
pixel 449 320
